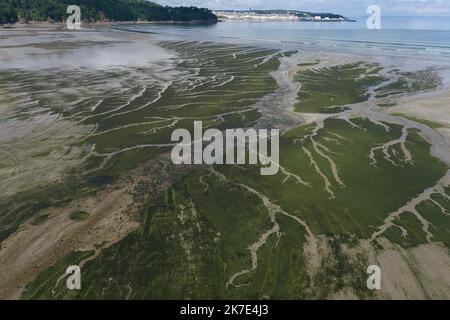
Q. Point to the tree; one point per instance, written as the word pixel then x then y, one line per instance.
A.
pixel 94 10
pixel 7 12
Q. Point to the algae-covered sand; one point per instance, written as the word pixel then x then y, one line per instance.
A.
pixel 85 167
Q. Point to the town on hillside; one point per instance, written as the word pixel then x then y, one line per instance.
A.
pixel 279 15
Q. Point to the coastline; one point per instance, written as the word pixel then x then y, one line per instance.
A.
pixel 49 24
pixel 223 19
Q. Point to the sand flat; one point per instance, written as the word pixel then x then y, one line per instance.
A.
pixel 431 107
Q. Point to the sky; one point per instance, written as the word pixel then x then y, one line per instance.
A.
pixel 350 8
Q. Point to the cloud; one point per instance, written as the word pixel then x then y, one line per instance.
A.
pixel 353 8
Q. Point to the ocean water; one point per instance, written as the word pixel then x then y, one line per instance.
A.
pixel 406 35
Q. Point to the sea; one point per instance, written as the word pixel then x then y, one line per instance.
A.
pixel 402 35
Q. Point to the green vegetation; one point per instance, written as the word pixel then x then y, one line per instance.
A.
pixel 409 223
pixel 386 104
pixel 221 95
pixel 191 241
pixel 235 84
pixel 39 219
pixel 441 200
pixel 17 209
pixel 99 10
pixel 341 271
pixel 356 205
pixel 309 64
pixel 440 222
pixel 7 12
pixel 431 124
pixel 195 237
pixel 410 82
pixel 48 278
pixel 79 215
pixel 327 90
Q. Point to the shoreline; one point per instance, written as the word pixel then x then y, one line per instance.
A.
pixel 106 23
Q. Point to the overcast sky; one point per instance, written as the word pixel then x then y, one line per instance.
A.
pixel 352 8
